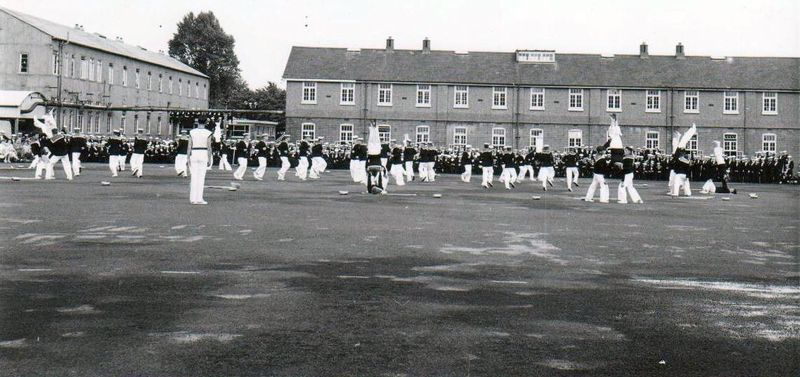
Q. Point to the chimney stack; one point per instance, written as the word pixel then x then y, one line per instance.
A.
pixel 426 45
pixel 643 50
pixel 679 51
pixel 389 44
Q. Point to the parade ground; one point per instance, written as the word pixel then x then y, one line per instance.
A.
pixel 294 279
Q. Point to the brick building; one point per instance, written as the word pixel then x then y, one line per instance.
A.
pixel 101 84
pixel 530 96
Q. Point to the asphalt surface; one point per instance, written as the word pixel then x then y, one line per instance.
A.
pixel 293 279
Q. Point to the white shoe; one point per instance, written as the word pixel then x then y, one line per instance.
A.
pixel 589 200
pixel 200 203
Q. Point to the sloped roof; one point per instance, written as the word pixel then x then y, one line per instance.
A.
pixel 86 39
pixel 501 68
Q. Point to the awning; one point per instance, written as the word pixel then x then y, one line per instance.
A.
pixel 21 104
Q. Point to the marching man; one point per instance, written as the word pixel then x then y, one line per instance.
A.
pixel 626 186
pixel 526 168
pixel 262 152
pixel 396 162
pixel 77 144
pixel 601 166
pixel 283 153
pixel 408 158
pixel 509 174
pixel 139 148
pixel 486 160
pixel 242 153
pixel 301 170
pixel 571 163
pixel 546 170
pixel 59 149
pixel 318 164
pixel 114 145
pixel 466 162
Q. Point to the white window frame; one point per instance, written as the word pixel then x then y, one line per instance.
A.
pixel 308 130
pixel 180 87
pixel 535 137
pixel 308 94
pixel 575 138
pixel 385 94
pixel 84 68
pixel 344 134
pixel 498 134
pixel 27 63
pixel 148 128
pixel 169 86
pixel 55 67
pixel 347 94
pixel 99 71
pixel 730 103
pixel 423 95
pixel 125 76
pixel 691 146
pixel 137 82
pixel 726 144
pixel 652 101
pixel 769 105
pixel 458 134
pixel 160 83
pixel 538 93
pixel 384 133
pixel 197 89
pixel 90 69
pixel 149 81
pixel 651 142
pixel 577 94
pixel 615 96
pixel 769 142
pixel 499 98
pixel 110 77
pixel 109 123
pixel 423 134
pixel 461 97
pixel 691 101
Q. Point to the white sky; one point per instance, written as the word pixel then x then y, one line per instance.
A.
pixel 265 30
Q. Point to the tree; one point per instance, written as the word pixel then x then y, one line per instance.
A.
pixel 202 44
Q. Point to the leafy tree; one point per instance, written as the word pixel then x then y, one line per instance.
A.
pixel 202 44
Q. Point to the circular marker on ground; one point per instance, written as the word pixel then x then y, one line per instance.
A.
pixel 437 195
pixel 753 196
pixel 105 183
pixel 343 192
pixel 536 197
pixel 726 198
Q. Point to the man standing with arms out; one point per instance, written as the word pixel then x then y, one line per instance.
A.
pixel 224 152
pixel 626 186
pixel 182 156
pixel 486 160
pixel 77 144
pixel 283 154
pixel 466 162
pixel 139 148
pixel 396 162
pixel 59 149
pixel 199 144
pixel 601 166
pixel 262 152
pixel 242 154
pixel 571 164
pixel 546 167
pixel 303 150
pixel 509 174
pixel 113 145
pixel 409 153
pixel 318 164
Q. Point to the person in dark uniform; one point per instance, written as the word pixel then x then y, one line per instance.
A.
pixel 303 162
pixel 377 181
pixel 526 166
pixel 570 160
pixel 466 163
pixel 409 153
pixel 242 155
pixel 317 157
pixel 123 152
pixel 38 159
pixel 682 165
pixel 626 186
pixel 396 164
pixel 486 160
pixel 140 144
pixel 182 155
pixel 599 170
pixel 59 150
pixel 114 145
pixel 546 167
pixel 77 145
pixel 509 174
pixel 283 154
pixel 224 152
pixel 385 152
pixel 262 152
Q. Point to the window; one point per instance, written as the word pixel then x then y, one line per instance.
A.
pixel 110 77
pixel 91 69
pixel 108 123
pixel 770 103
pixel 614 100
pixel 730 144
pixel 149 81
pixel 97 123
pixel 460 136
pixel 160 83
pixel 309 93
pixel 537 98
pixel 98 71
pixel 347 96
pixel 137 82
pixel 730 103
pixel 498 137
pixel 79 122
pixel 691 99
pixel 147 125
pixel 180 87
pixel 423 96
pixel 205 91
pixel 574 138
pixel 536 138
pixel 691 146
pixel 653 101
pixel 23 63
pixel 499 98
pixel 308 131
pixel 123 122
pixel 196 89
pixel 575 100
pixel 384 94
pixel 423 134
pixel 84 68
pixel 136 123
pixel 56 69
pixel 169 85
pixel 72 66
pixel 385 133
pixel 124 76
pixel 651 140
pixel 461 99
pixel 159 125
pixel 768 142
pixel 346 132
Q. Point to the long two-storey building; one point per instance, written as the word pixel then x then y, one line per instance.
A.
pixel 93 82
pixel 531 97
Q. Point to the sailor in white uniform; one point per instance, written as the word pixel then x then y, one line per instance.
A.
pixel 200 160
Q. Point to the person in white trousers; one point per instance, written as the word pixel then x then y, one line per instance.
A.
pixel 526 167
pixel 601 166
pixel 682 164
pixel 486 160
pixel 59 150
pixel 223 158
pixel 303 152
pixel 182 155
pixel 139 149
pixel 466 162
pixel 200 159
pixel 408 160
pixel 570 161
pixel 283 153
pixel 77 144
pixel 546 166
pixel 396 162
pixel 626 186
pixel 355 173
pixel 242 153
pixel 262 152
pixel 377 181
